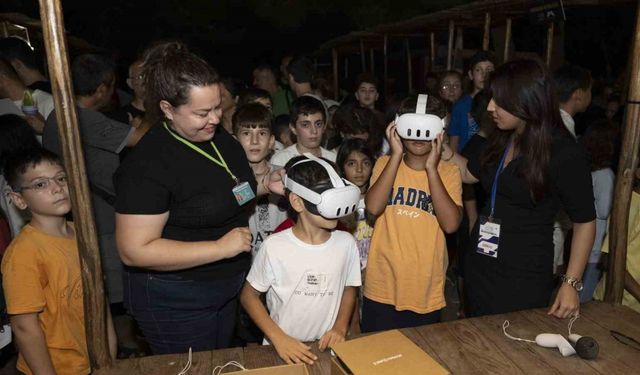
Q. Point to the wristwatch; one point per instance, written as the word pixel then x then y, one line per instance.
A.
pixel 575 283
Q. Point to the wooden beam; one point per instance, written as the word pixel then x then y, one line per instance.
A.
pixel 334 59
pixel 487 31
pixel 71 144
pixel 624 183
pixel 407 48
pixel 386 62
pixel 549 52
pixel 452 29
pixel 458 47
pixel 432 55
pixel 507 41
pixel 346 67
pixel 372 60
pixel 363 57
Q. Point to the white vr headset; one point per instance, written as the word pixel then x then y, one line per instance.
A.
pixel 339 201
pixel 419 126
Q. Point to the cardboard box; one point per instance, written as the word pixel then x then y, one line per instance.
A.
pixel 386 353
pixel 299 369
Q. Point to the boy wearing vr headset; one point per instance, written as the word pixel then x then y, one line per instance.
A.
pixel 417 197
pixel 310 272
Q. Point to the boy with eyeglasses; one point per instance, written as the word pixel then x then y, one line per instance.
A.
pixel 41 271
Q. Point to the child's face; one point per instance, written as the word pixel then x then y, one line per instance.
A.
pixel 44 191
pixel 285 137
pixel 417 148
pixel 367 94
pixel 256 142
pixel 309 129
pixel 357 168
pixel 451 88
pixel 479 73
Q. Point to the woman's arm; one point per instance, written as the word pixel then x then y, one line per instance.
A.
pixel 567 302
pixel 32 343
pixel 460 161
pixel 378 194
pixel 140 244
pixel 448 213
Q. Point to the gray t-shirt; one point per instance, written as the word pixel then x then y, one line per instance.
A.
pixel 102 141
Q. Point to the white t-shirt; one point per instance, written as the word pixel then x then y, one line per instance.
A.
pixel 43 101
pixel 305 283
pixel 270 212
pixel 281 158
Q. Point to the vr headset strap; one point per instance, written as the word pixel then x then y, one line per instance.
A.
pixel 421 105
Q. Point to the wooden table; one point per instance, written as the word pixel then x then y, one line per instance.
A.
pixel 468 346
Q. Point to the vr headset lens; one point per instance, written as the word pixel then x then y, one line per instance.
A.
pixel 419 126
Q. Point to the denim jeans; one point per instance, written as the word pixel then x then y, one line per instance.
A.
pixel 176 314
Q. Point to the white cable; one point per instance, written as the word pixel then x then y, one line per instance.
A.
pixel 230 363
pixel 504 330
pixel 573 319
pixel 186 368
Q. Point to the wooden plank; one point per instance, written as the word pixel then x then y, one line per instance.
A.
pixel 386 62
pixel 610 317
pixel 465 350
pixel 71 145
pixel 414 335
pixel 334 59
pixel 432 55
pixel 407 48
pixel 487 31
pixel 452 28
pixel 363 57
pixel 549 52
pixel 624 183
pixel 507 41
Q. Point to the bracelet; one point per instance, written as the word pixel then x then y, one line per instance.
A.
pixel 450 157
pixel 575 283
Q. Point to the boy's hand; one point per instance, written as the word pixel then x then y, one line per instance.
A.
pixel 331 337
pixel 237 240
pixel 395 142
pixel 436 151
pixel 275 181
pixel 293 351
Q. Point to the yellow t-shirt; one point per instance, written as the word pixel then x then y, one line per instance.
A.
pixel 41 274
pixel 633 254
pixel 408 257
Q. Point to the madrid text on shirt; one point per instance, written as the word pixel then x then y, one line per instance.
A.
pixel 411 197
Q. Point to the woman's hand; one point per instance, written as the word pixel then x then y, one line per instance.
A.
pixel 276 181
pixel 567 302
pixel 394 139
pixel 236 241
pixel 331 337
pixel 434 156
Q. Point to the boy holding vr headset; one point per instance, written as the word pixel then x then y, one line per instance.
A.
pixel 310 272
pixel 417 198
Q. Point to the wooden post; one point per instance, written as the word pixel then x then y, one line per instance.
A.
pixel 346 67
pixel 507 41
pixel 372 61
pixel 5 29
pixel 386 62
pixel 407 48
pixel 363 57
pixel 487 31
pixel 67 117
pixel 624 184
pixel 549 43
pixel 334 55
pixel 458 47
pixel 452 28
pixel 432 55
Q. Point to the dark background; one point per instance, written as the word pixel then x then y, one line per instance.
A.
pixel 235 34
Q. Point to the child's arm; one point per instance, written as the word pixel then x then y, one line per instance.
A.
pixel 339 330
pixel 31 343
pixel 448 213
pixel 378 194
pixel 289 349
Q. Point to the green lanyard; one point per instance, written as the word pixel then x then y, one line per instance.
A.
pixel 221 162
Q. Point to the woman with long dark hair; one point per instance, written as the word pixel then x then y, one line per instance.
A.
pixel 531 166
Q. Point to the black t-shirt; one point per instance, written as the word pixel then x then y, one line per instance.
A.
pixel 122 114
pixel 473 149
pixel 521 277
pixel 162 174
pixel 42 86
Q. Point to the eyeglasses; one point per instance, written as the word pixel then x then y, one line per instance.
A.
pixel 44 183
pixel 448 86
pixel 137 78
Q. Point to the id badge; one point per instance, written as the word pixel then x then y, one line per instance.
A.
pixel 489 237
pixel 243 193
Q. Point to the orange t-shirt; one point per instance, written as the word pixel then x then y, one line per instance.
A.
pixel 408 257
pixel 41 274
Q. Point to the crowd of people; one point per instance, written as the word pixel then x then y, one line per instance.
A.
pixel 210 195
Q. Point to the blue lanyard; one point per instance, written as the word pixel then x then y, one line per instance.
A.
pixel 494 187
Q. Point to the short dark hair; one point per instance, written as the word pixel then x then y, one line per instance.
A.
pixel 17 164
pixel 233 85
pixel 280 125
pixel 15 136
pixel 311 175
pixel 366 77
pixel 570 78
pixel 599 142
pixel 306 105
pixel 301 68
pixel 350 145
pixel 13 48
pixel 252 115
pixel 251 95
pixel 479 57
pixel 89 71
pixel 435 106
pixel 170 70
pixel 269 67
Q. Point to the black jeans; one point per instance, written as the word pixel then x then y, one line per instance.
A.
pixel 176 314
pixel 381 317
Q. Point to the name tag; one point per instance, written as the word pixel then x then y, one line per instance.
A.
pixel 489 237
pixel 243 193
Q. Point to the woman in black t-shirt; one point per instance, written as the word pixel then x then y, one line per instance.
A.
pixel 530 166
pixel 180 229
